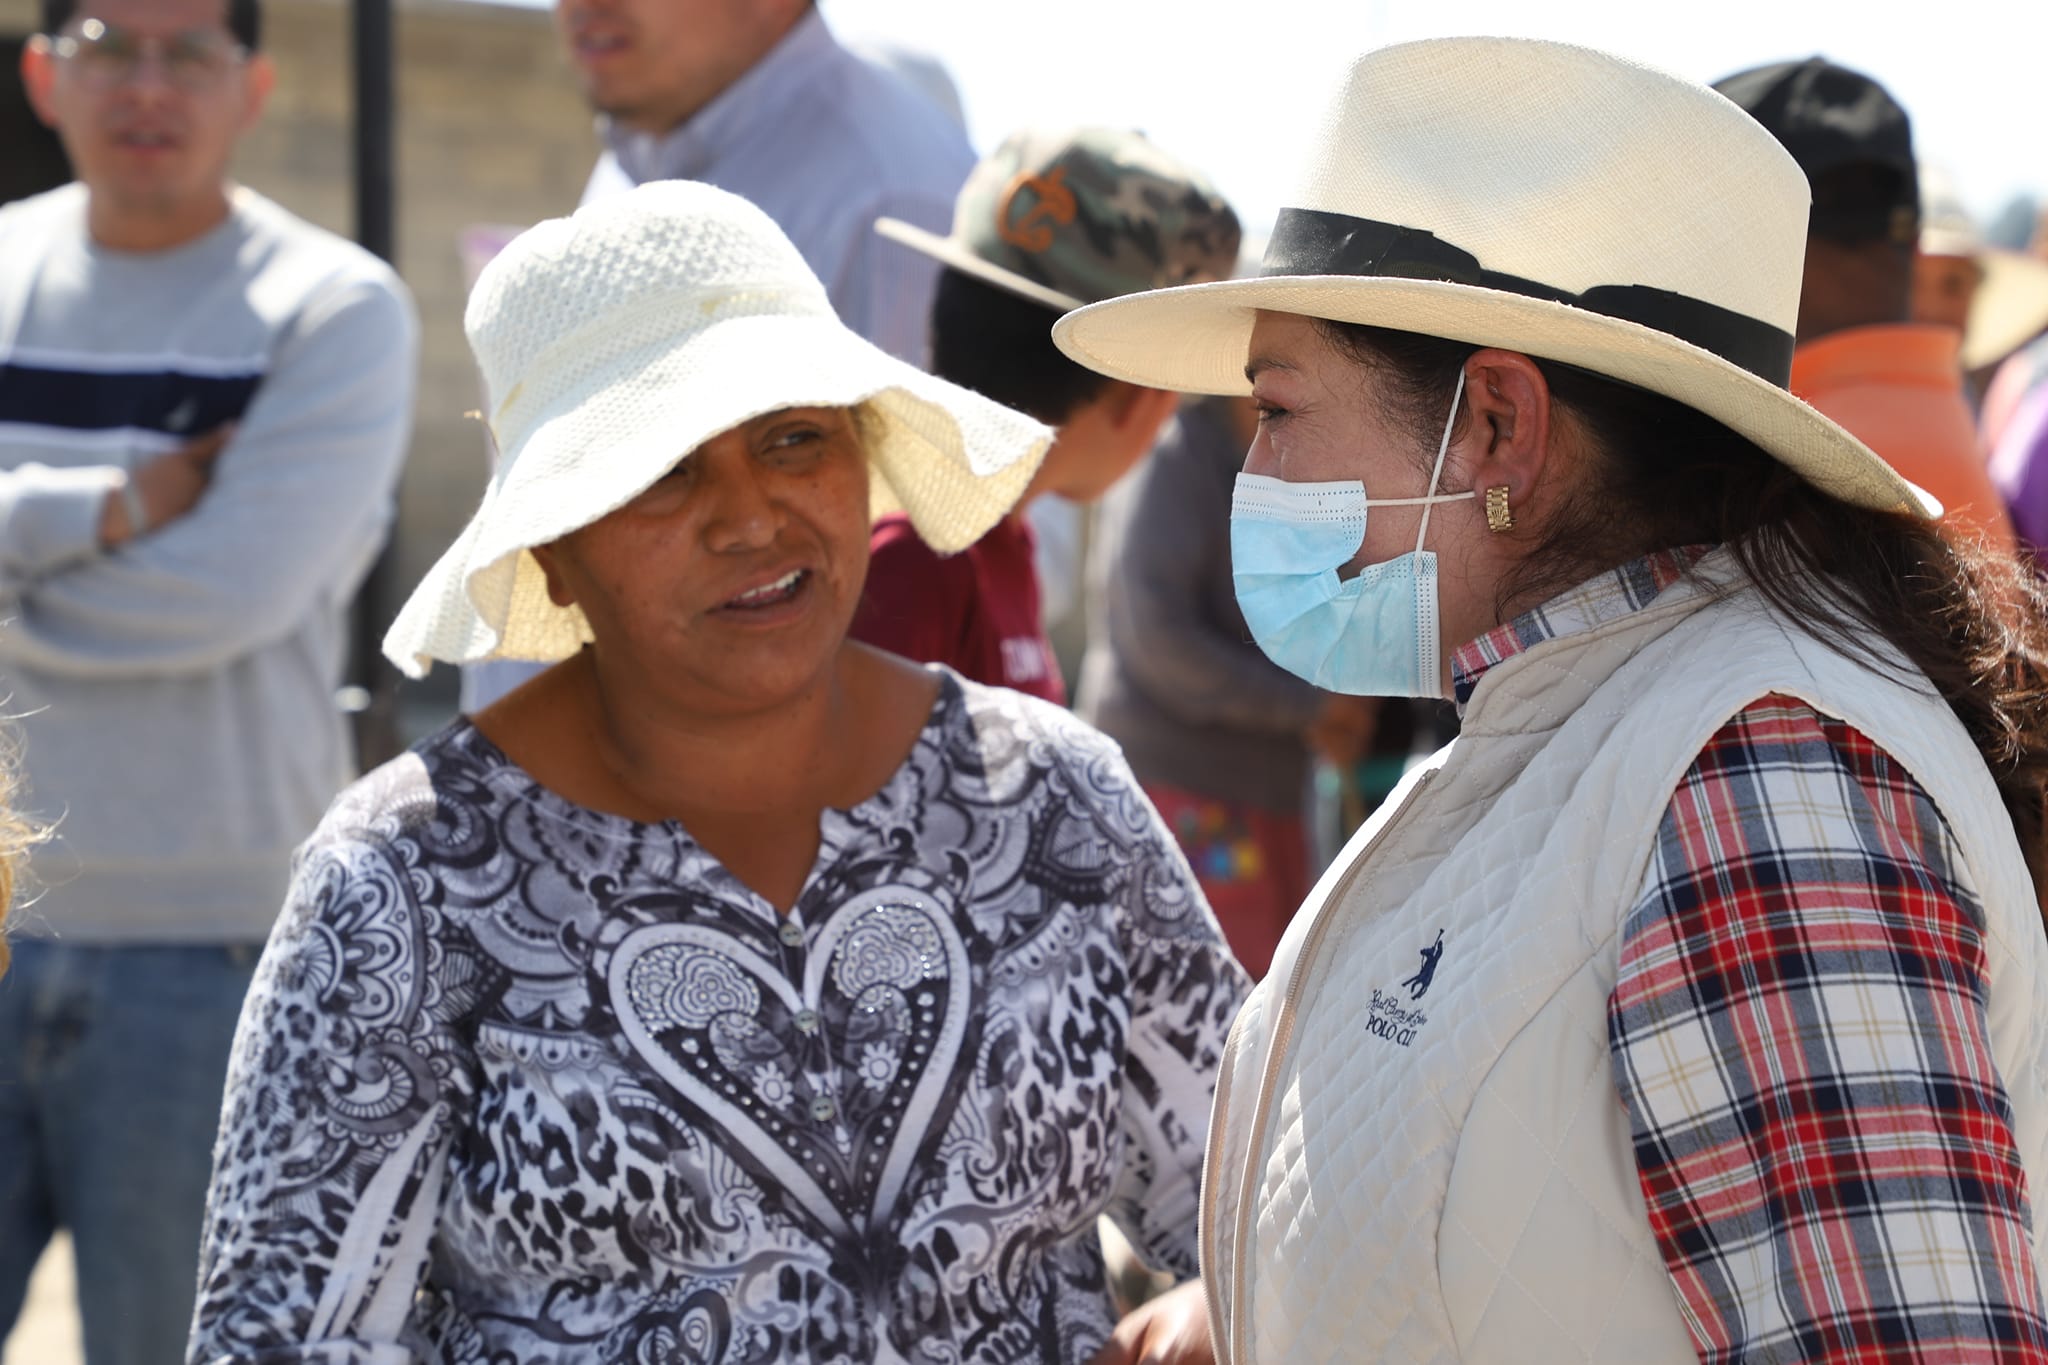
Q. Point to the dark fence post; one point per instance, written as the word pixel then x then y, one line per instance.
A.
pixel 372 692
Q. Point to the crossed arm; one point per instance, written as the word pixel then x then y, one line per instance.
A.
pixel 287 511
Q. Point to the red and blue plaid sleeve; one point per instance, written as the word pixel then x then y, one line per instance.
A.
pixel 1799 1037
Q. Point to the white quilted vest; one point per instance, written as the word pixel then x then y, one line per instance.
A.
pixel 1449 1177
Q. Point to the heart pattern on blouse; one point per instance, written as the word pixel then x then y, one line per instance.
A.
pixel 829 1088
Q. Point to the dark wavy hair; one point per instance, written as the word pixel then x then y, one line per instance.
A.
pixel 999 344
pixel 1971 618
pixel 244 18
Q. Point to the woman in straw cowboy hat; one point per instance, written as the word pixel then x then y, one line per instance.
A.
pixel 1695 998
pixel 731 992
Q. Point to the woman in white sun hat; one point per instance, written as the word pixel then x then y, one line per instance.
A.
pixel 731 992
pixel 1694 999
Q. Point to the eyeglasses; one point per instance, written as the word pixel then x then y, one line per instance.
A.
pixel 105 57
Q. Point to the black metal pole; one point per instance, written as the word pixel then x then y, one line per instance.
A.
pixel 373 109
pixel 372 694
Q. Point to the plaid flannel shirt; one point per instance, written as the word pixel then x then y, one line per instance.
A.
pixel 1799 1037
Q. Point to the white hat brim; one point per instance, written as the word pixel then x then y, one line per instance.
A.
pixel 1194 338
pixel 953 461
pixel 949 252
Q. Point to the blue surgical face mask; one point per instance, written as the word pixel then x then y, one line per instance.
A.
pixel 1373 636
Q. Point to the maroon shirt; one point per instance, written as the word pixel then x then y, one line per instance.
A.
pixel 977 612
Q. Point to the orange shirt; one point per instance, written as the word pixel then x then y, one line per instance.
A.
pixel 1899 389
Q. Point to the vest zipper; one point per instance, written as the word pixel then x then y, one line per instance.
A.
pixel 1276 1047
pixel 1212 1172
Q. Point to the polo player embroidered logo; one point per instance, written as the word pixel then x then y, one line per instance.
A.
pixel 1390 1017
pixel 1418 984
pixel 1055 202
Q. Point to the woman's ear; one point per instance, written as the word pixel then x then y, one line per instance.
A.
pixel 1509 431
pixel 547 556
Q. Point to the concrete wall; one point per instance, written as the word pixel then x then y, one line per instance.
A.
pixel 490 130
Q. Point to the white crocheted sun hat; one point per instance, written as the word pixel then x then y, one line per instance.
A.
pixel 615 342
pixel 1542 198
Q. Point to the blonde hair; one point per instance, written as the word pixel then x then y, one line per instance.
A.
pixel 18 833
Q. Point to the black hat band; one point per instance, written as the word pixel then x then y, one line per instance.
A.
pixel 1314 242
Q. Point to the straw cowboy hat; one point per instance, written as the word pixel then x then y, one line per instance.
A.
pixel 615 342
pixel 1541 198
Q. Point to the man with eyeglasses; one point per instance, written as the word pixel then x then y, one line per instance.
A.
pixel 204 404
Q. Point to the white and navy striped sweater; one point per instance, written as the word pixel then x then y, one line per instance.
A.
pixel 178 692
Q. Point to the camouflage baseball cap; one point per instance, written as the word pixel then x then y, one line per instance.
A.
pixel 1072 218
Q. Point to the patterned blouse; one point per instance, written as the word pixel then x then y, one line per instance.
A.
pixel 1798 1033
pixel 520 1082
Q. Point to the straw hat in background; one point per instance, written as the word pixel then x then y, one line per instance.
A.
pixel 2010 306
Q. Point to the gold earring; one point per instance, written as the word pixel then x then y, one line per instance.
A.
pixel 1499 516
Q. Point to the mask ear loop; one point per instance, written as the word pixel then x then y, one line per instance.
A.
pixel 1443 446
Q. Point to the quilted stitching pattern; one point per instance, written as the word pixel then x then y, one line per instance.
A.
pixel 1542 1206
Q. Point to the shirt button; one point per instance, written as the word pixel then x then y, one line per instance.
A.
pixel 806 1021
pixel 792 933
pixel 823 1110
